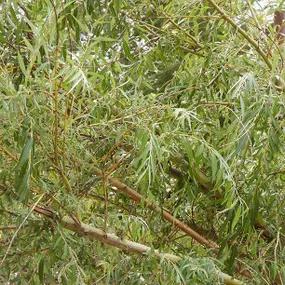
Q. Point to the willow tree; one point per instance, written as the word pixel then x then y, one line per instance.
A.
pixel 142 142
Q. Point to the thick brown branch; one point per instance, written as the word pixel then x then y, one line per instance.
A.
pixel 135 196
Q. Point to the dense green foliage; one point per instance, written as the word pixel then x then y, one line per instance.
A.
pixel 168 97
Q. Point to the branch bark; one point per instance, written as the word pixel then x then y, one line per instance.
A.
pixel 129 246
pixel 135 196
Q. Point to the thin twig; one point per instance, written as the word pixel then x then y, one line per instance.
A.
pixel 182 30
pixel 8 228
pixel 16 232
pixel 241 31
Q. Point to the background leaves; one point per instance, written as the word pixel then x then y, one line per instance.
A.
pixel 167 97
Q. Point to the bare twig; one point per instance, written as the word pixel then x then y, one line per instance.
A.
pixel 8 228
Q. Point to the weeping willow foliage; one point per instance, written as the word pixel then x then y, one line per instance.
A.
pixel 168 96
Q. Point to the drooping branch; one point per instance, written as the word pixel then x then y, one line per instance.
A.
pixel 135 196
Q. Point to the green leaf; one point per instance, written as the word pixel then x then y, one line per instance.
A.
pixel 214 167
pixel 236 218
pixel 126 46
pixel 13 16
pixel 41 269
pixel 23 169
pixel 21 63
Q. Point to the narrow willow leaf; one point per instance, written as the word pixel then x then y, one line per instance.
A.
pixel 236 218
pixel 126 46
pixel 242 143
pixel 214 167
pixel 21 63
pixel 117 5
pixel 254 207
pixel 23 170
pixel 41 270
pixel 14 16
